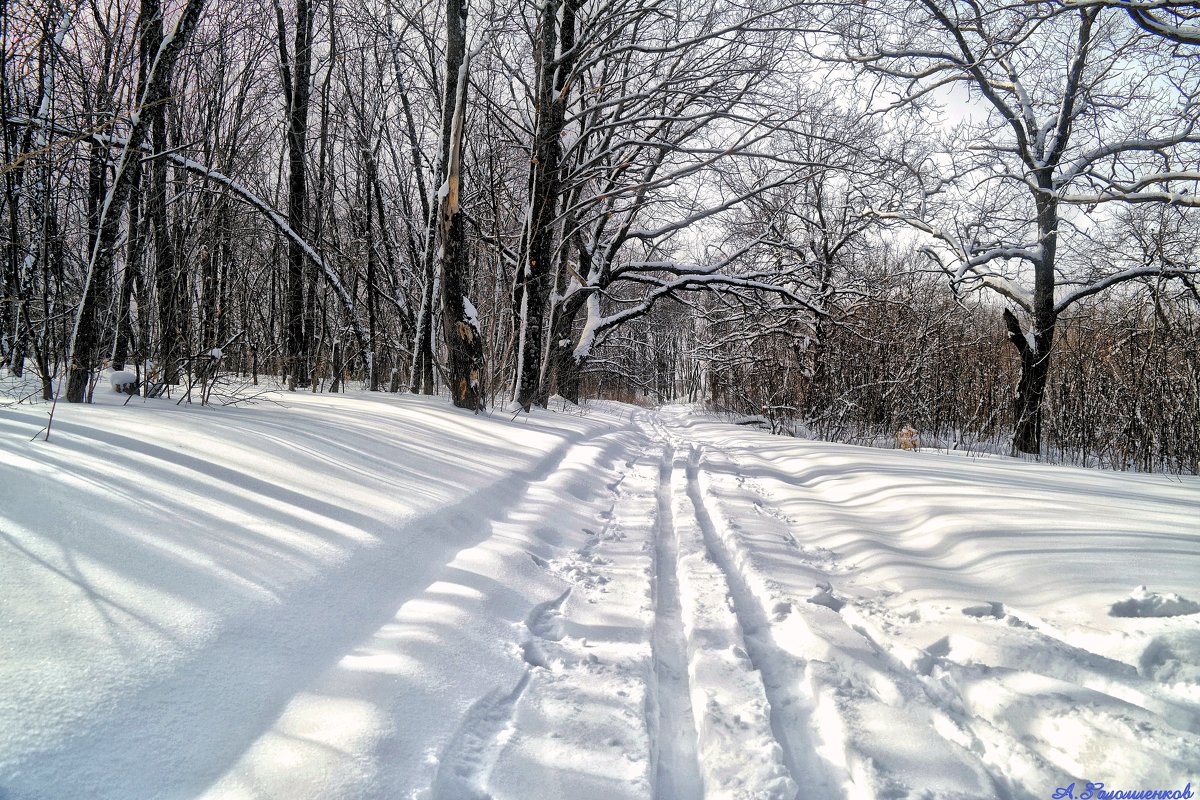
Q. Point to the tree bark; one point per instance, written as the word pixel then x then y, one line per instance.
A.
pixel 460 320
pixel 297 93
pixel 545 185
pixel 1035 348
pixel 133 269
pixel 12 295
pixel 564 369
pixel 170 279
pixel 422 367
pixel 1034 351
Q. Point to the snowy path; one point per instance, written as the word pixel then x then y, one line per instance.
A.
pixel 676 769
pixel 781 668
pixel 868 699
pixel 631 604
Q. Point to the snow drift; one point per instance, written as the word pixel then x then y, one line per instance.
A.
pixel 375 596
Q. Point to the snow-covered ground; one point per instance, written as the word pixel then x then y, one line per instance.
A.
pixel 377 596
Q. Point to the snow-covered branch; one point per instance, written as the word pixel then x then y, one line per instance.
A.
pixel 235 188
pixel 1133 273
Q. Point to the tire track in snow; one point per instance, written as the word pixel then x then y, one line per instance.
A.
pixel 781 676
pixel 673 725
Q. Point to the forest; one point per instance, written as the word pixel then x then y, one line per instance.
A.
pixel 836 218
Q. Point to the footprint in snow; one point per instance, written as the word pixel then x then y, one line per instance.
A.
pixel 823 596
pixel 545 620
pixel 990 609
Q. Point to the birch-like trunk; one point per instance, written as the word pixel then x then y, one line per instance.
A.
pixel 460 320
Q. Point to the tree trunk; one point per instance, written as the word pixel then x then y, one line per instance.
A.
pixel 297 93
pixel 11 294
pixel 85 339
pixel 422 366
pixel 567 372
pixel 210 278
pixel 1035 347
pixel 133 269
pixel 460 320
pixel 372 355
pixel 564 369
pixel 534 293
pixel 368 221
pixel 168 274
pixel 41 218
pixel 1031 388
pixel 464 340
pixel 102 239
pixel 11 287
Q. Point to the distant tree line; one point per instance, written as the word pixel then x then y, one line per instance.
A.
pixel 972 217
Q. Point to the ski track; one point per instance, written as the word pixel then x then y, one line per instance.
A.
pixel 809 655
pixel 471 753
pixel 287 647
pixel 645 611
pixel 1010 708
pixel 676 771
pixel 782 674
pixel 449 761
pixel 469 756
pixel 734 688
pixel 739 755
pixel 962 760
pixel 731 709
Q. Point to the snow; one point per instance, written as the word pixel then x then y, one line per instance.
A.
pixel 378 596
pixel 1145 603
pixel 471 313
pixel 121 378
pixel 587 338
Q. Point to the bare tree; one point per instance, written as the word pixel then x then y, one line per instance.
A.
pixel 163 53
pixel 1175 20
pixel 1060 130
pixel 295 69
pixel 555 54
pixel 636 109
pixel 27 176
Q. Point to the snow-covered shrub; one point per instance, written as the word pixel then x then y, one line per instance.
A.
pixel 123 381
pixel 908 439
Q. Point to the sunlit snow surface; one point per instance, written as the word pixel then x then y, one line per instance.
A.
pixel 378 596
